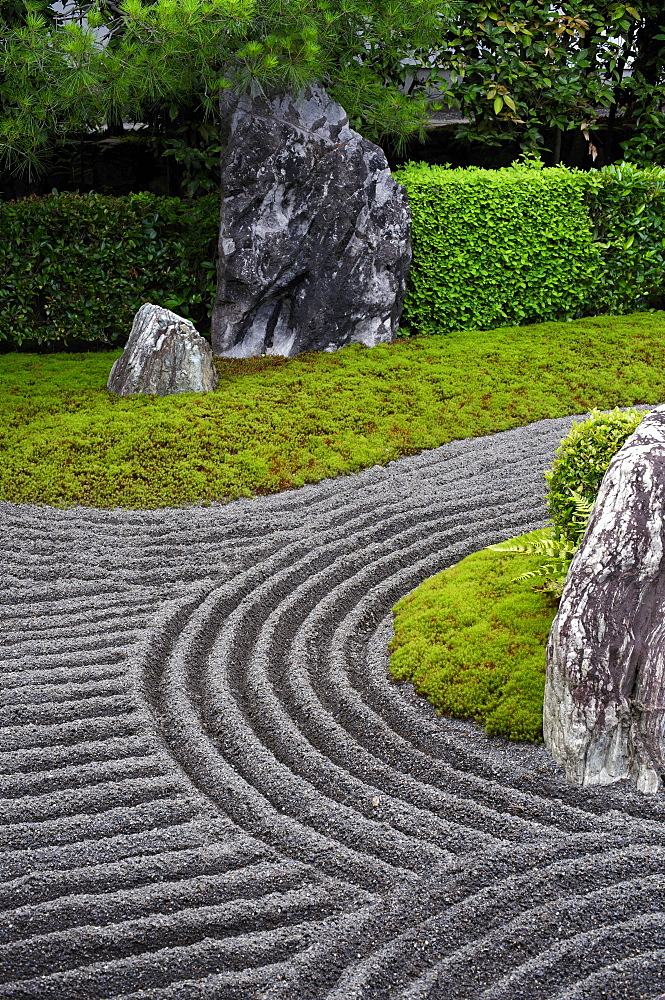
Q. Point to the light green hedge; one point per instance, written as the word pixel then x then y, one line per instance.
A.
pixel 524 244
pixel 498 247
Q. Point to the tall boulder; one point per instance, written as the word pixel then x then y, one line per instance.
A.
pixel 604 712
pixel 164 355
pixel 314 245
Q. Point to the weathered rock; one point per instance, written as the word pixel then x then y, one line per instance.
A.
pixel 604 712
pixel 314 243
pixel 164 355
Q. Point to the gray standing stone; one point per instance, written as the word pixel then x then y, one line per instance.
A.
pixel 604 712
pixel 164 355
pixel 314 244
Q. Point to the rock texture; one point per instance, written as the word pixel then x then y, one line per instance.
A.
pixel 164 355
pixel 604 713
pixel 314 243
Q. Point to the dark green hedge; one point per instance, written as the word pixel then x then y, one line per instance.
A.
pixel 628 215
pixel 76 268
pixel 490 248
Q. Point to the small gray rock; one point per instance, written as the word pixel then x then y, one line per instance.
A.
pixel 604 711
pixel 315 236
pixel 164 355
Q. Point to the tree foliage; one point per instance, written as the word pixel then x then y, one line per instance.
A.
pixel 534 70
pixel 63 77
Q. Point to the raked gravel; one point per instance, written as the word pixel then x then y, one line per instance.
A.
pixel 212 790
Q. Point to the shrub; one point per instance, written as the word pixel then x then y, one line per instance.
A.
pixel 78 267
pixel 495 247
pixel 490 248
pixel 518 245
pixel 628 213
pixel 581 462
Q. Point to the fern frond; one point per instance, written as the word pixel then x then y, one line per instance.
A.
pixel 549 547
pixel 546 570
pixel 583 507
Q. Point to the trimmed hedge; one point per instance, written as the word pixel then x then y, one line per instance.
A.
pixel 490 248
pixel 78 267
pixel 628 215
pixel 498 247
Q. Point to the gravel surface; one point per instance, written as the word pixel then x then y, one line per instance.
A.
pixel 211 789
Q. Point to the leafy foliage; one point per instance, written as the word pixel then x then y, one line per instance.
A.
pixel 581 461
pixel 274 423
pixel 522 68
pixel 628 212
pixel 490 247
pixel 642 92
pixel 526 243
pixel 495 247
pixel 554 547
pixel 473 643
pixel 546 545
pixel 537 71
pixel 78 267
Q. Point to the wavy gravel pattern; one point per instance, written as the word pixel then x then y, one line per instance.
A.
pixel 210 788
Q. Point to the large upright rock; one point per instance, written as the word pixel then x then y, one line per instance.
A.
pixel 604 713
pixel 164 355
pixel 314 243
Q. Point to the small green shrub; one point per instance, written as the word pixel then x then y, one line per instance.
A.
pixel 76 268
pixel 581 462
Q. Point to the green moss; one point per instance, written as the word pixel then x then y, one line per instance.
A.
pixel 472 641
pixel 274 423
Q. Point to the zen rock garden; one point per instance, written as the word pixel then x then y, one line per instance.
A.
pixel 295 274
pixel 215 783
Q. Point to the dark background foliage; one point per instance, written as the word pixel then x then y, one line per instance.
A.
pixel 581 82
pixel 75 269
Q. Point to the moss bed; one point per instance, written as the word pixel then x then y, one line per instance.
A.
pixel 275 423
pixel 472 641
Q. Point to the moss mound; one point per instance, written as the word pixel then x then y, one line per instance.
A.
pixel 472 641
pixel 274 423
